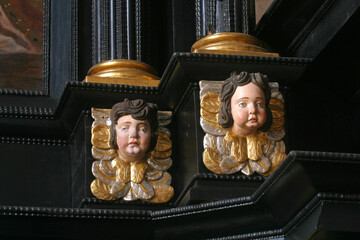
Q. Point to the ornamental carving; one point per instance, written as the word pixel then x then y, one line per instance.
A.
pixel 132 148
pixel 243 118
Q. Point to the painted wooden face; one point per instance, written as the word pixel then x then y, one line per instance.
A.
pixel 133 138
pixel 248 109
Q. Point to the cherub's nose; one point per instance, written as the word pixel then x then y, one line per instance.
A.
pixel 133 132
pixel 252 109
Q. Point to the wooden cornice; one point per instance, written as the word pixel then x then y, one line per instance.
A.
pixel 301 194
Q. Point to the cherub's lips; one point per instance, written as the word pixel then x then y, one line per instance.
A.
pixel 253 119
pixel 134 143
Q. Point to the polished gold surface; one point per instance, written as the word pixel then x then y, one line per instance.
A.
pixel 100 136
pixel 254 144
pixel 161 154
pixel 226 37
pixel 123 169
pixel 211 102
pixel 132 80
pixel 277 108
pixel 238 146
pixel 111 65
pixel 138 171
pixel 101 190
pixel 231 43
pixel 163 194
pixel 147 180
pixel 123 71
pixel 226 153
pixel 210 107
pixel 212 160
pixel 163 142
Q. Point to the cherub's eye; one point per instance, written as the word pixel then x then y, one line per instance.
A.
pixel 123 129
pixel 143 130
pixel 241 104
pixel 260 104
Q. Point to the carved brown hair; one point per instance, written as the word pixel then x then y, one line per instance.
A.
pixel 139 110
pixel 228 89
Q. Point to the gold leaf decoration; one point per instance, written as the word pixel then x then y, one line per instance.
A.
pixel 238 146
pixel 101 191
pixel 210 102
pixel 100 136
pixel 254 145
pixel 122 170
pixel 161 155
pixel 212 160
pixel 116 178
pixel 209 117
pixel 163 142
pixel 138 170
pixel 277 109
pixel 210 105
pixel 162 195
pixel 228 153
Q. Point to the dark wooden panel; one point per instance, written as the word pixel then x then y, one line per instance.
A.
pixel 35 174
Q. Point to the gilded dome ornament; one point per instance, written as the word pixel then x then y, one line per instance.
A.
pixel 231 43
pixel 243 118
pixel 123 71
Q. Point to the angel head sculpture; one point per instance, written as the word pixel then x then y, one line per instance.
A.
pixel 132 131
pixel 243 119
pixel 133 153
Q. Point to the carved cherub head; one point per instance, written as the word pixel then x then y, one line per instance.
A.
pixel 132 131
pixel 244 103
